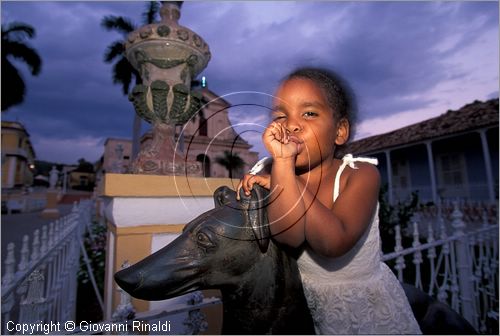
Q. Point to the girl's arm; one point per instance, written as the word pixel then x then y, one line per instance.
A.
pixel 293 234
pixel 286 209
pixel 333 232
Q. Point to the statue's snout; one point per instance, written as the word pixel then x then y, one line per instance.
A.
pixel 128 279
pixel 136 283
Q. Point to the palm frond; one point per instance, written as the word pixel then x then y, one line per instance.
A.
pixel 231 161
pixel 118 23
pixel 13 87
pixel 123 73
pixel 151 13
pixel 24 53
pixel 18 30
pixel 114 50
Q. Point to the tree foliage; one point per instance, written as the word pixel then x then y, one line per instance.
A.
pixel 123 72
pixel 14 46
pixel 84 166
pixel 230 161
pixel 392 215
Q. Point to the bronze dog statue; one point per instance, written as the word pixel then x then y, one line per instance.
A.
pixel 228 248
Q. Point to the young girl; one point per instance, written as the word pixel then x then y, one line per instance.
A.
pixel 328 206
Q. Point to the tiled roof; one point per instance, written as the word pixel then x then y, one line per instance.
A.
pixel 470 117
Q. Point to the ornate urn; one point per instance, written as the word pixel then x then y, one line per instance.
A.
pixel 167 56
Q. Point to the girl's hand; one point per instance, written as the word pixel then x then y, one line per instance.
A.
pixel 276 138
pixel 249 180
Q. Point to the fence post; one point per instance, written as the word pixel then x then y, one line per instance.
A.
pixel 431 255
pixel 7 280
pixel 464 267
pixel 23 263
pixel 417 255
pixel 400 260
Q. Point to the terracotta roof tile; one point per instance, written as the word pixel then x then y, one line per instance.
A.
pixel 470 117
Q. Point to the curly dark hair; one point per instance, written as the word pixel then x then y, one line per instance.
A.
pixel 338 93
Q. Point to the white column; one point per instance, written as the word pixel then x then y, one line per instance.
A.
pixel 389 176
pixel 487 163
pixel 432 171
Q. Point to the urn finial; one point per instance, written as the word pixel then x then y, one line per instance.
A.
pixel 170 11
pixel 168 56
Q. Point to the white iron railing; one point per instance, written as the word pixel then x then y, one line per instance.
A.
pixel 41 287
pixel 457 261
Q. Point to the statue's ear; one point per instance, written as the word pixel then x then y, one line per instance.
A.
pixel 257 215
pixel 223 196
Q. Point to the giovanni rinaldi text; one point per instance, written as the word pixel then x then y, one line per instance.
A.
pixel 86 326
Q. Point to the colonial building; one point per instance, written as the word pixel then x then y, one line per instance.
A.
pixel 452 156
pixel 18 155
pixel 209 134
pixel 81 178
pixel 206 137
pixel 117 155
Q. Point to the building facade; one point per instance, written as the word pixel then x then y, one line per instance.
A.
pixel 209 134
pixel 18 155
pixel 117 155
pixel 452 156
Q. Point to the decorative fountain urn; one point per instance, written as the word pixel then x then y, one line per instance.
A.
pixel 167 56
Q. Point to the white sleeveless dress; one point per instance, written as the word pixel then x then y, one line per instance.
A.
pixel 356 293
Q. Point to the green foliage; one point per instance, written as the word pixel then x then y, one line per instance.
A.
pixel 231 161
pixel 84 166
pixel 123 72
pixel 95 245
pixel 391 215
pixel 14 46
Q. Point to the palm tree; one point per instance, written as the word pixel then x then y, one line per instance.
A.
pixel 123 72
pixel 231 161
pixel 14 45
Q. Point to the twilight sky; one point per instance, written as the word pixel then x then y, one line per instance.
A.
pixel 406 61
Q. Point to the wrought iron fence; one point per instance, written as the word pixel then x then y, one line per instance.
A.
pixel 42 285
pixel 457 261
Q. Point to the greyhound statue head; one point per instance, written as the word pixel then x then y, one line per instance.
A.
pixel 228 248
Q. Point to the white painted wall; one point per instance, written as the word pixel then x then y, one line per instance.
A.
pixel 140 211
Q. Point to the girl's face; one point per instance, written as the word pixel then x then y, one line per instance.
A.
pixel 302 107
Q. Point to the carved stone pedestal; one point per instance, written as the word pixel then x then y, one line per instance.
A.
pixel 160 156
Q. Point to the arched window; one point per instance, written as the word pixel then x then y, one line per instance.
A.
pixel 205 164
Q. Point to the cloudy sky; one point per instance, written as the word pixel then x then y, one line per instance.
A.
pixel 407 61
